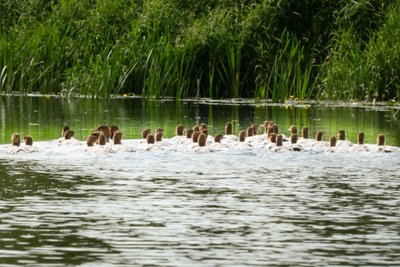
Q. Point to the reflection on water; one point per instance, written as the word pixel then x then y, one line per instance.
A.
pixel 239 206
pixel 43 117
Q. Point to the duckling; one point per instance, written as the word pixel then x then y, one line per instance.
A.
pixel 15 139
pixel 360 138
pixel 361 147
pixel 318 144
pixel 318 136
pixel 332 141
pixel 29 147
pixel 179 137
pixel 218 138
pixel 380 141
pixel 68 134
pixel 293 143
pixel 113 129
pixel 117 138
pixel 145 132
pixel 179 130
pixel 229 136
pixel 91 140
pixel 279 140
pixel 332 144
pixel 15 144
pixel 304 132
pixel 195 136
pixel 242 136
pixel 64 129
pixel 106 130
pixel 189 133
pixel 342 139
pixel 293 129
pixel 254 127
pixel 28 140
pixel 150 139
pixel 159 135
pixel 203 126
pixel 101 140
pixel 201 140
pixel 242 141
pixel 279 144
pixel 228 128
pixel 68 138
pixel 304 137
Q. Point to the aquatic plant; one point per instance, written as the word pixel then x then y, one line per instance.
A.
pixel 218 49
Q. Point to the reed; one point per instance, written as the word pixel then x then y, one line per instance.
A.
pixel 218 49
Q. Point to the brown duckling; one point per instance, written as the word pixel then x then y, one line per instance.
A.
pixel 68 134
pixel 293 138
pixel 254 127
pixel 117 138
pixel 145 132
pixel 113 129
pixel 342 135
pixel 179 130
pixel 249 131
pixel 101 140
pixel 204 131
pixel 64 129
pixel 91 140
pixel 380 140
pixel 218 138
pixel 242 136
pixel 15 139
pixel 189 133
pixel 203 126
pixel 159 135
pixel 360 138
pixel 272 137
pixel 279 140
pixel 201 140
pixel 195 136
pixel 318 136
pixel 228 128
pixel 304 133
pixel 332 141
pixel 28 140
pixel 150 139
pixel 293 129
pixel 106 130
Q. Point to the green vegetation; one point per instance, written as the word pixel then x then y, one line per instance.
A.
pixel 272 49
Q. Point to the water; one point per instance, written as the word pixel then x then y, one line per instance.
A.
pixel 177 206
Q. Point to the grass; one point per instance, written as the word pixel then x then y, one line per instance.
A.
pixel 217 49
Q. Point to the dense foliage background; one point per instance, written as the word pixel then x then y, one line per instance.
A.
pixel 310 49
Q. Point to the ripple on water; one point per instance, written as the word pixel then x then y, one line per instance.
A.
pixel 243 207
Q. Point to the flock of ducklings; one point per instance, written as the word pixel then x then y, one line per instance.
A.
pixel 198 137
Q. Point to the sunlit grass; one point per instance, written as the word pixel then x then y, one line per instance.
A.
pixel 217 49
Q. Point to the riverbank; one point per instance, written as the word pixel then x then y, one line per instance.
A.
pixel 331 50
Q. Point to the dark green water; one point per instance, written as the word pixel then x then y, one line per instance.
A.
pixel 43 117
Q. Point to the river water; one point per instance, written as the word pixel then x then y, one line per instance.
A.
pixel 176 205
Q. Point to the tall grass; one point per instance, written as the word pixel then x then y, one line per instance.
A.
pixel 218 49
pixel 366 69
pixel 290 74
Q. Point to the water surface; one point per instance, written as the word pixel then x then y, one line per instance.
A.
pixel 240 206
pixel 43 117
